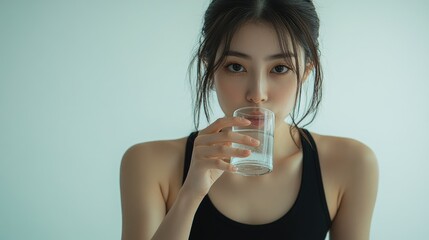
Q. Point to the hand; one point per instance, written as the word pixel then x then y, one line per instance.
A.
pixel 212 153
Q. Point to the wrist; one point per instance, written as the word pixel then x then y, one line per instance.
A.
pixel 190 197
pixel 178 220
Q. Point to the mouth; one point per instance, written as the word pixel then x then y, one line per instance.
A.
pixel 257 121
pixel 257 115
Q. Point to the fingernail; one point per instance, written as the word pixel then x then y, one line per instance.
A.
pixel 246 151
pixel 255 141
pixel 244 120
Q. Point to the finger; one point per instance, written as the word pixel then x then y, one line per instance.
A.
pixel 223 151
pixel 225 122
pixel 227 160
pixel 226 138
pixel 222 165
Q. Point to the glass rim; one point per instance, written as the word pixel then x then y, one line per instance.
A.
pixel 264 110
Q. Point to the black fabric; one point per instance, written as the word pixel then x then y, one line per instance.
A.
pixel 307 219
pixel 188 154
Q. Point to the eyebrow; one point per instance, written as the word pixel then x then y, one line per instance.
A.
pixel 272 57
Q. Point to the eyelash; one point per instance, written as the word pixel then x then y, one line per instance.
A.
pixel 229 65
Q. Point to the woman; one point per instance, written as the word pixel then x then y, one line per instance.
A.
pixel 252 53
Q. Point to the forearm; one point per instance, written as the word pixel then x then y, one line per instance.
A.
pixel 178 221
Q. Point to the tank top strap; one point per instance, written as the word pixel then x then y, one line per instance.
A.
pixel 188 154
pixel 312 173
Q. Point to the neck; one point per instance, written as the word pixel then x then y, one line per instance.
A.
pixel 284 145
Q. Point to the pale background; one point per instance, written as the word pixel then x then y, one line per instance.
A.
pixel 81 81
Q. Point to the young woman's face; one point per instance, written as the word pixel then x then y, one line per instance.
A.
pixel 255 73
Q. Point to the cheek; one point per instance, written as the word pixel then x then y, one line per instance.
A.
pixel 227 89
pixel 284 98
pixel 284 93
pixel 228 95
pixel 223 88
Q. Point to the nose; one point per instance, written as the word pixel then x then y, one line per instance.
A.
pixel 257 90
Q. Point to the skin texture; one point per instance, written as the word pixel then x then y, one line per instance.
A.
pixel 155 205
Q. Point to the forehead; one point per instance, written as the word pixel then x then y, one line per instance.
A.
pixel 259 39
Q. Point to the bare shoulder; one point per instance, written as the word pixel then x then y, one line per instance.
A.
pixel 346 164
pixel 343 151
pixel 155 161
pixel 150 176
pixel 155 153
pixel 350 176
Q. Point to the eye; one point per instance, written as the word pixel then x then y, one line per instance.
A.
pixel 235 67
pixel 280 69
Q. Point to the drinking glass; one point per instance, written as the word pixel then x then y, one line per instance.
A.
pixel 260 161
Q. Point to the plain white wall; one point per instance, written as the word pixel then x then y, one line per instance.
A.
pixel 81 81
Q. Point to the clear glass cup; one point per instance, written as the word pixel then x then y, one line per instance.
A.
pixel 260 161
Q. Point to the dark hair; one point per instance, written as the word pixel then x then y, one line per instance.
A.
pixel 294 18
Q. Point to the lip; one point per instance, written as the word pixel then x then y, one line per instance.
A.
pixel 256 121
pixel 256 115
pixel 257 110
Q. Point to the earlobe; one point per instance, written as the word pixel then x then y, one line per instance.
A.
pixel 308 69
pixel 212 86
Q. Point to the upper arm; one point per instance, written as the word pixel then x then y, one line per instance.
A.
pixel 353 219
pixel 143 205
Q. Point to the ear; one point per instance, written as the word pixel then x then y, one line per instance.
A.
pixel 212 86
pixel 308 69
pixel 204 61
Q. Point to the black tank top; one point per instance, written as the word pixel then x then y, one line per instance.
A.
pixel 307 219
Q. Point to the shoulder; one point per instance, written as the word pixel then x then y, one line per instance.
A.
pixel 350 169
pixel 150 174
pixel 154 152
pixel 155 162
pixel 345 150
pixel 155 155
pixel 347 159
